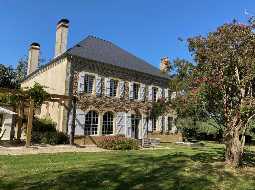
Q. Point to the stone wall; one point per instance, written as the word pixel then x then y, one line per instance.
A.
pixel 115 104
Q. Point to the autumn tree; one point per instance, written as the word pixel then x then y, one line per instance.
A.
pixel 224 81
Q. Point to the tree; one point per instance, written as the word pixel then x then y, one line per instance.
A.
pixel 224 81
pixel 21 69
pixel 7 77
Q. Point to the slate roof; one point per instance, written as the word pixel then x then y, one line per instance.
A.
pixel 100 50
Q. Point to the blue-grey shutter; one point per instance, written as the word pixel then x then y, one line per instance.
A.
pixel 98 86
pixel 144 127
pixel 173 95
pixel 120 123
pixel 166 124
pixel 159 93
pixel 79 122
pixel 141 92
pixel 81 82
pixel 160 123
pixel 121 89
pixel 131 90
pixel 128 125
pixel 150 125
pixel 166 94
pixel 150 93
pixel 107 87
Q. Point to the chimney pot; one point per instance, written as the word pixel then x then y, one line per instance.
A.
pixel 164 64
pixel 61 37
pixel 33 57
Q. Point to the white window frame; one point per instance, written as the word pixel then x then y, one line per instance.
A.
pixel 136 93
pixel 113 87
pixel 108 122
pixel 88 79
pixel 90 125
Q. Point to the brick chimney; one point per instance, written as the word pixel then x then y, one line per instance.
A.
pixel 164 64
pixel 33 57
pixel 61 37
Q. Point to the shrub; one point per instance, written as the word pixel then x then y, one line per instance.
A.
pixel 117 143
pixel 200 130
pixel 44 131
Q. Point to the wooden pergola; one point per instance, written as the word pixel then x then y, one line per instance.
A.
pixel 26 101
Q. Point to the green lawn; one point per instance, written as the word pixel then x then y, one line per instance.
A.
pixel 175 168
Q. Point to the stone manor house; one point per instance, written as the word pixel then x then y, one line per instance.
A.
pixel 115 90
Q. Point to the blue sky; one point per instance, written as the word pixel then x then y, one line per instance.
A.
pixel 147 28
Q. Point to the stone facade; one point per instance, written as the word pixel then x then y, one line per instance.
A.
pixel 119 105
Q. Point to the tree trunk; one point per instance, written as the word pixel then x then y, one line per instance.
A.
pixel 72 132
pixel 234 148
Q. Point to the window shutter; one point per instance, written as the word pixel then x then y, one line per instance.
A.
pixel 150 125
pixel 107 86
pixel 173 95
pixel 98 86
pixel 145 124
pixel 128 125
pixel 141 92
pixel 81 82
pixel 166 124
pixel 150 93
pixel 166 94
pixel 159 96
pixel 120 123
pixel 79 122
pixel 131 90
pixel 160 123
pixel 121 89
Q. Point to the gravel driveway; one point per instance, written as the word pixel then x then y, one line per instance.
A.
pixel 40 149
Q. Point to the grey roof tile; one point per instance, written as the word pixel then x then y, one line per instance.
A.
pixel 96 49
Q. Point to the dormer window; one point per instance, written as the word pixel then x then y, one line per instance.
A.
pixel 113 87
pixel 88 83
pixel 154 94
pixel 136 90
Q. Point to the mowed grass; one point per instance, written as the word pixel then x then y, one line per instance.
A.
pixel 177 167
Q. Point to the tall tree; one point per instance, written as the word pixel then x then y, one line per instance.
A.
pixel 7 77
pixel 21 69
pixel 224 81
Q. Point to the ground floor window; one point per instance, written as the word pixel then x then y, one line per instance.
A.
pixel 107 123
pixel 91 123
pixel 170 123
pixel 135 120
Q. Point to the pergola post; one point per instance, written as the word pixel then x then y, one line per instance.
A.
pixel 19 119
pixel 30 123
pixel 72 132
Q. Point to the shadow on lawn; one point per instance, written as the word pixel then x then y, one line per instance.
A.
pixel 135 171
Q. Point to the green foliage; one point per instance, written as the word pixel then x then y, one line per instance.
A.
pixel 44 131
pixel 158 108
pixel 21 69
pixel 117 143
pixel 7 77
pixel 38 94
pixel 199 130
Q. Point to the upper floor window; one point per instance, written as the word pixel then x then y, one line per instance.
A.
pixel 154 93
pixel 113 87
pixel 88 83
pixel 136 90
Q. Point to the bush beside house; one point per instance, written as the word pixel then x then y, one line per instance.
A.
pixel 44 132
pixel 117 143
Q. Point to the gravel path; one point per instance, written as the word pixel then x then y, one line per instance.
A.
pixel 39 149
